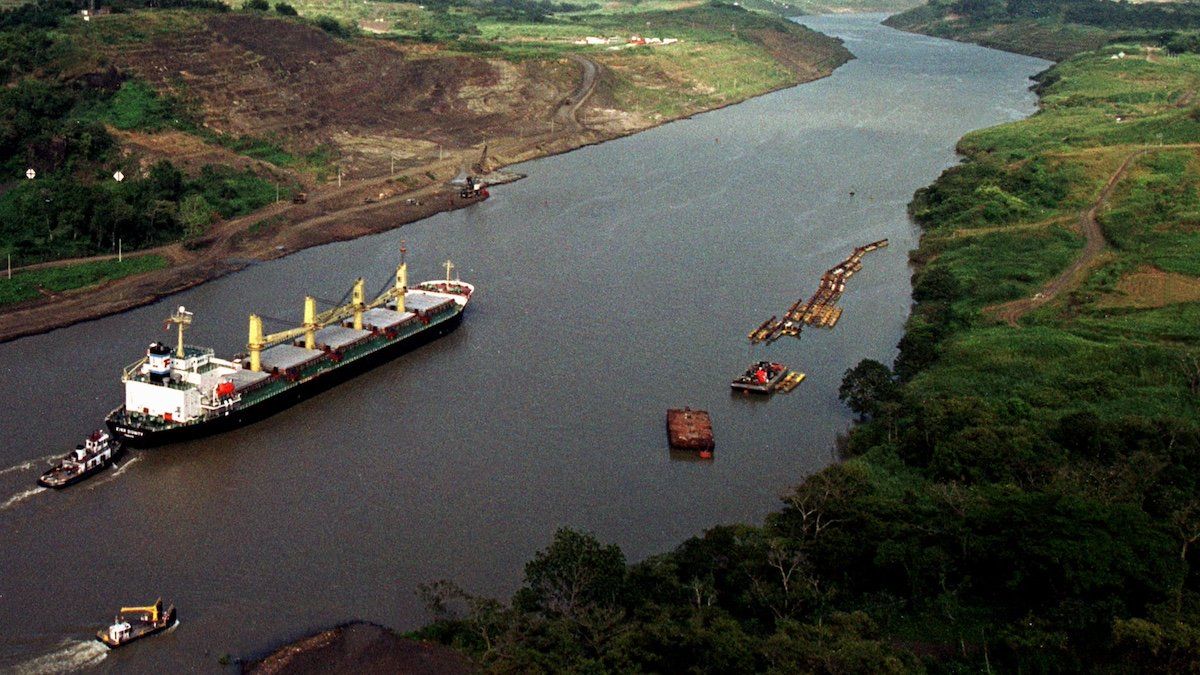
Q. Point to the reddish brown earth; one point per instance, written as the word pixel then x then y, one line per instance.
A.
pixel 264 77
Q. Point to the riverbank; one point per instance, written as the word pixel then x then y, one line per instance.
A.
pixel 1023 495
pixel 612 287
pixel 372 197
pixel 1055 29
pixel 360 647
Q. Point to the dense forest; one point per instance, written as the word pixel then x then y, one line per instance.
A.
pixel 1017 497
pixel 57 121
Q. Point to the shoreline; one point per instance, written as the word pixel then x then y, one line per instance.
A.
pixel 358 646
pixel 366 206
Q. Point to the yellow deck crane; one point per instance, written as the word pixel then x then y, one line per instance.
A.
pixel 153 611
pixel 314 321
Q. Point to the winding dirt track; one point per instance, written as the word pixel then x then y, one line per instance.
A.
pixel 587 84
pixel 1011 312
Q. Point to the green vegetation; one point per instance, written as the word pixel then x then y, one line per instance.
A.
pixel 58 216
pixel 57 122
pixel 336 28
pixel 135 106
pixel 1056 29
pixel 1018 500
pixel 26 285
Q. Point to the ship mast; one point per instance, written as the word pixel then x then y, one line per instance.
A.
pixel 310 322
pixel 180 318
pixel 401 279
pixel 449 266
pixel 358 301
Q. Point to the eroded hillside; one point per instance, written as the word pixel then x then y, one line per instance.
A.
pixel 372 99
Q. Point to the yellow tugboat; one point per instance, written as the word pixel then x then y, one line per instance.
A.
pixel 135 623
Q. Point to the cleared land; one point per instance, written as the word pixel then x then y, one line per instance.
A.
pixel 371 129
pixel 1148 287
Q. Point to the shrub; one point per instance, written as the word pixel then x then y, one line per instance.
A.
pixel 336 28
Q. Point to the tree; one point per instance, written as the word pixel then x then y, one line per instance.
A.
pixel 918 349
pixel 284 9
pixel 819 502
pixel 257 5
pixel 165 181
pixel 195 213
pixel 866 386
pixel 935 283
pixel 575 574
pixel 843 643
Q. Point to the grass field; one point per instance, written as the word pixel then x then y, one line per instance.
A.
pixel 25 285
pixel 1115 344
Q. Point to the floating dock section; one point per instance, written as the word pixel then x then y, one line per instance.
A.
pixel 791 381
pixel 690 429
pixel 820 310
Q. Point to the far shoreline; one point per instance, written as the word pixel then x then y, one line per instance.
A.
pixel 354 208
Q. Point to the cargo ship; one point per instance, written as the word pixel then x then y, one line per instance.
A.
pixel 186 393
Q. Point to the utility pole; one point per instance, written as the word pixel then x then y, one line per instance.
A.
pixel 119 252
pixel 10 266
pixel 339 176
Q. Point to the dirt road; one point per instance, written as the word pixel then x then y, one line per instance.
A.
pixel 1011 312
pixel 566 113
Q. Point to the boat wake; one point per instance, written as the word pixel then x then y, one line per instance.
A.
pixel 118 470
pixel 70 655
pixel 20 497
pixel 121 469
pixel 27 465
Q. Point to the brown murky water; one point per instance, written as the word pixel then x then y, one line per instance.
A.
pixel 615 282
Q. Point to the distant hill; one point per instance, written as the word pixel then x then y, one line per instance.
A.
pixel 808 7
pixel 1054 29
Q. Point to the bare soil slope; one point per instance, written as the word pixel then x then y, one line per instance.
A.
pixel 401 120
pixel 265 77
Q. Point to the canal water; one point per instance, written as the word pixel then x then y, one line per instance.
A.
pixel 614 282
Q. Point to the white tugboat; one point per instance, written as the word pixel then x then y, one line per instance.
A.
pixel 92 456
